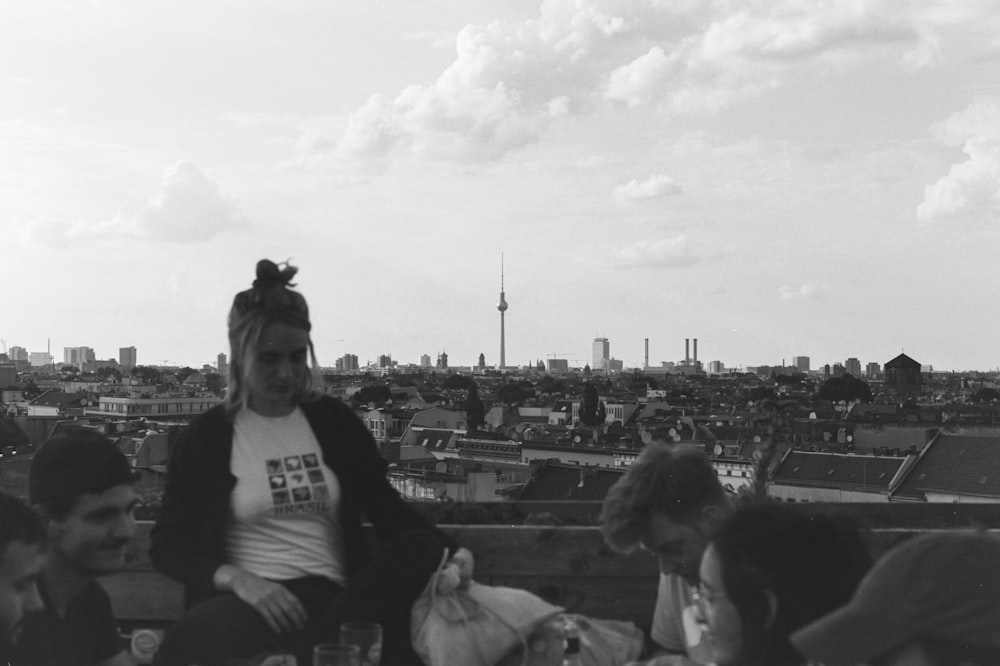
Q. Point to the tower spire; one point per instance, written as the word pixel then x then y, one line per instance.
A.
pixel 502 307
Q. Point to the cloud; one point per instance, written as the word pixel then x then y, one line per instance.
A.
pixel 188 208
pixel 656 185
pixel 656 253
pixel 972 187
pixel 511 80
pixel 808 291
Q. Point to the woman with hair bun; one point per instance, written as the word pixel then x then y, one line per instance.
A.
pixel 262 510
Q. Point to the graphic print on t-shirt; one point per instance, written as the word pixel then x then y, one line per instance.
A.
pixel 297 484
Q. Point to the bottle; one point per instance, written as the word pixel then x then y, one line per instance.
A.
pixel 571 643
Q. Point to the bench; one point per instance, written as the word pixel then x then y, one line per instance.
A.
pixel 567 566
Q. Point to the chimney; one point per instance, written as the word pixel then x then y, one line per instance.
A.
pixel 696 351
pixel 646 364
pixel 687 351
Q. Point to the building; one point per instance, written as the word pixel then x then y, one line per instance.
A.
pixel 126 358
pixel 804 476
pixel 558 365
pixel 8 374
pixel 873 371
pixel 18 353
pixel 954 469
pixel 716 368
pixel 222 365
pixel 902 376
pixel 77 356
pixel 161 407
pixel 801 363
pixel 443 360
pixel 39 359
pixel 385 361
pixel 347 363
pixel 425 360
pixel 852 366
pixel 602 354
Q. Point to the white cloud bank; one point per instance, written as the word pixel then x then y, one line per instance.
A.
pixel 808 291
pixel 656 253
pixel 188 208
pixel 512 79
pixel 972 187
pixel 656 185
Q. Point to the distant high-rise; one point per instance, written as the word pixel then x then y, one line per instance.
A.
pixel 222 365
pixel 425 360
pixel 602 353
pixel 502 307
pixel 126 358
pixel 482 361
pixel 442 360
pixel 18 353
pixel 801 363
pixel 77 356
pixel 873 370
pixel 852 366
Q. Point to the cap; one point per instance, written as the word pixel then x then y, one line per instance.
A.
pixel 943 586
pixel 73 463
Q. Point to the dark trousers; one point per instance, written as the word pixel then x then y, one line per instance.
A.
pixel 224 627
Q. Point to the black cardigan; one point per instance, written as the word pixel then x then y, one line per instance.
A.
pixel 188 540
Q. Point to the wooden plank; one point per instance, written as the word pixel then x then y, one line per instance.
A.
pixel 556 551
pixel 611 598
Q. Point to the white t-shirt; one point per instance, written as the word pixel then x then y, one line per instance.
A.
pixel 675 625
pixel 285 504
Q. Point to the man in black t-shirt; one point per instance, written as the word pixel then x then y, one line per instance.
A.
pixel 81 483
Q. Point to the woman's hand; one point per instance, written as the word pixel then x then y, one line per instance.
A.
pixel 281 609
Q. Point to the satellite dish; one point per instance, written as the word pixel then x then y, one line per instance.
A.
pixel 756 439
pixel 577 439
pixel 672 432
pixel 850 438
pixel 717 449
pixel 756 455
pixel 646 437
pixel 677 438
pixel 441 466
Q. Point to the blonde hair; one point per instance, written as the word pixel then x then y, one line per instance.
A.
pixel 268 301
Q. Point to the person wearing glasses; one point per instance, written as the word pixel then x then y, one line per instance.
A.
pixel 262 509
pixel 770 570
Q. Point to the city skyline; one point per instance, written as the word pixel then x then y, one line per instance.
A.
pixel 774 179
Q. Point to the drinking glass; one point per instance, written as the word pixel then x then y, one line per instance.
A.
pixel 367 636
pixel 336 654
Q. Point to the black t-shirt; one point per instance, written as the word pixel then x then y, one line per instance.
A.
pixel 87 635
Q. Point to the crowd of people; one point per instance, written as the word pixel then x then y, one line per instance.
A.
pixel 261 521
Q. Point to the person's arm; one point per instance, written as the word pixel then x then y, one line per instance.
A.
pixel 176 541
pixel 380 502
pixel 280 608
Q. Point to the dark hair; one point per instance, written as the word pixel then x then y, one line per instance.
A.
pixel 268 301
pixel 810 564
pixel 75 462
pixel 678 483
pixel 18 522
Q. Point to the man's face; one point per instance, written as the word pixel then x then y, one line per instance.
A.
pixel 94 534
pixel 678 546
pixel 20 567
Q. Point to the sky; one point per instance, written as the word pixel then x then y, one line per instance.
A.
pixel 775 179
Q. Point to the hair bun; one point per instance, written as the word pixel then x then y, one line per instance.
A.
pixel 270 274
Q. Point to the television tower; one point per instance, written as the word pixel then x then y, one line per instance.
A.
pixel 502 307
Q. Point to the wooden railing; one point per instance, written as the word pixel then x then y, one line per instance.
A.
pixel 566 565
